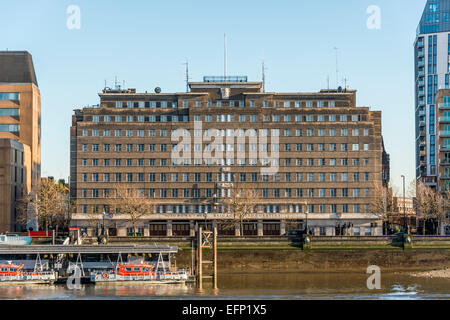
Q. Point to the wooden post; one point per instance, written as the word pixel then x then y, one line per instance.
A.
pixel 215 258
pixel 199 261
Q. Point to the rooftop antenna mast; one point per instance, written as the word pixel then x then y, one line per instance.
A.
pixel 263 77
pixel 345 83
pixel 225 56
pixel 328 82
pixel 337 69
pixel 187 75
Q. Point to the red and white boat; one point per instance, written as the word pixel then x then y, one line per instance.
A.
pixel 14 274
pixel 139 273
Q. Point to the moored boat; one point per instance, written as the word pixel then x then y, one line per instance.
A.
pixel 14 240
pixel 14 274
pixel 139 273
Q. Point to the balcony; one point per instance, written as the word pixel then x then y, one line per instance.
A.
pixel 421 73
pixel 421 64
pixel 444 148
pixel 444 119
pixel 444 133
pixel 421 83
pixel 421 113
pixel 421 93
pixel 421 123
pixel 444 106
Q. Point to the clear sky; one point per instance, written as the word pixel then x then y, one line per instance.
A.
pixel 146 42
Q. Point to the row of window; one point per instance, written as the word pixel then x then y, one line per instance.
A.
pixel 264 193
pixel 229 118
pixel 226 132
pixel 288 147
pixel 12 96
pixel 268 208
pixel 9 128
pixel 220 103
pixel 11 112
pixel 165 162
pixel 228 177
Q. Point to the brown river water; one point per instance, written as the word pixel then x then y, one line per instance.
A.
pixel 252 286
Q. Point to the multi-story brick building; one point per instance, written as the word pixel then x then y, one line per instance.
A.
pixel 322 159
pixel 20 123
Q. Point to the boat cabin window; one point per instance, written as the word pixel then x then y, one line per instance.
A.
pixel 13 269
pixel 4 269
pixel 136 268
pixel 146 269
pixel 128 269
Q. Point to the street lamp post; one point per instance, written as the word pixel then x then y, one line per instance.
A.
pixel 103 225
pixel 404 206
pixel 306 215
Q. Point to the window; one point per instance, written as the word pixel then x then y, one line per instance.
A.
pixel 9 128
pixel 9 112
pixel 12 96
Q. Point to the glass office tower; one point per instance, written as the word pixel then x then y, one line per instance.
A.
pixel 432 69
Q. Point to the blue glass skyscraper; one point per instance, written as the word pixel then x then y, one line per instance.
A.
pixel 432 70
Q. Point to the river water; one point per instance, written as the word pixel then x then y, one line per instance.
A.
pixel 252 286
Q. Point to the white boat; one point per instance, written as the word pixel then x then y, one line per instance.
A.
pixel 14 240
pixel 14 274
pixel 138 273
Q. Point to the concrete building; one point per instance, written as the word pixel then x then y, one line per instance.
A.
pixel 20 122
pixel 325 151
pixel 432 72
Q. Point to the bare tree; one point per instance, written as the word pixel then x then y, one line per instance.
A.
pixel 431 206
pixel 242 203
pixel 131 204
pixel 382 204
pixel 51 203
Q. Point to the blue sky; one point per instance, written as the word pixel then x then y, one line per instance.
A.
pixel 146 42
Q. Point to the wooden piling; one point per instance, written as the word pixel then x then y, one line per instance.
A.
pixel 215 258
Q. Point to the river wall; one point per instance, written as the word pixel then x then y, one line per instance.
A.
pixel 346 260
